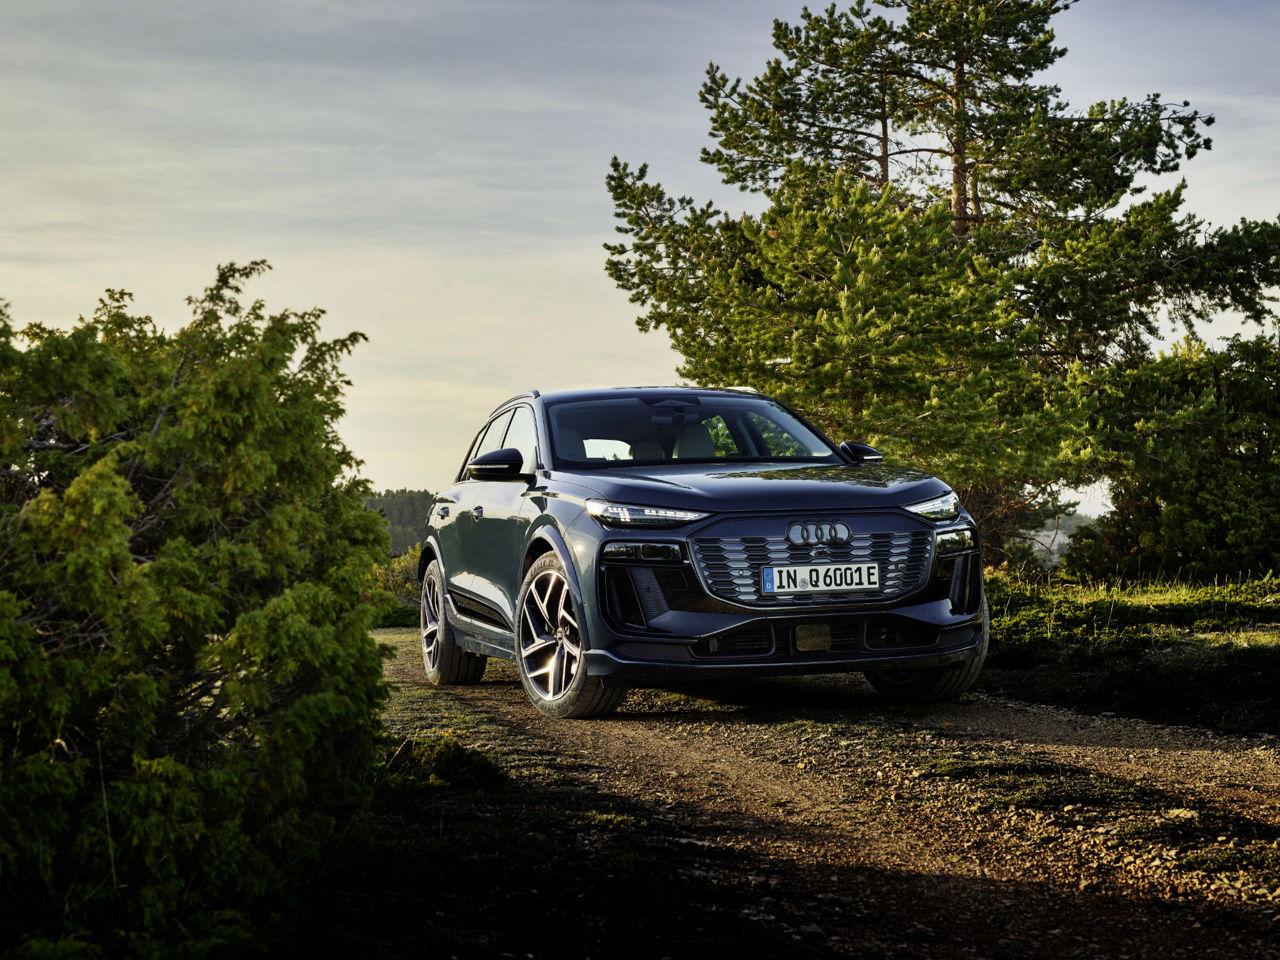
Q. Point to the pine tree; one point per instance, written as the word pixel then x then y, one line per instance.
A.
pixel 1024 231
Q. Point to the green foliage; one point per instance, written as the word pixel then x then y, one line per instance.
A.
pixel 838 298
pixel 188 689
pixel 950 254
pixel 1182 653
pixel 399 577
pixel 444 761
pixel 1031 613
pixel 406 515
pixel 1190 443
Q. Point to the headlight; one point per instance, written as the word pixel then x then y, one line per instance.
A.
pixel 629 515
pixel 939 508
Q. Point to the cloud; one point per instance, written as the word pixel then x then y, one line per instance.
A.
pixel 432 172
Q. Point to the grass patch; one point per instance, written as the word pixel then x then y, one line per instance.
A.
pixel 607 820
pixel 675 701
pixel 1057 611
pixel 443 761
pixel 1259 861
pixel 804 728
pixel 1174 653
pixel 1038 784
pixel 1212 841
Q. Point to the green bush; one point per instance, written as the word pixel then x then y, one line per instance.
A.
pixel 398 616
pixel 443 761
pixel 1190 446
pixel 188 690
pixel 399 577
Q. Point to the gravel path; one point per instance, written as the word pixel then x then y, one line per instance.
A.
pixel 987 828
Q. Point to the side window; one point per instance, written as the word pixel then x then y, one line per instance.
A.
pixel 471 454
pixel 490 438
pixel 523 435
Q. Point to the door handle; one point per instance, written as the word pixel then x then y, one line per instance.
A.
pixel 478 511
pixel 442 512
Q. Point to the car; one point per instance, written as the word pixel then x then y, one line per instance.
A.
pixel 611 538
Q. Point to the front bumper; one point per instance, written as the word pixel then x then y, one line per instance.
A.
pixel 909 638
pixel 674 620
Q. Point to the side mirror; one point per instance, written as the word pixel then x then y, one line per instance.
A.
pixel 860 452
pixel 501 464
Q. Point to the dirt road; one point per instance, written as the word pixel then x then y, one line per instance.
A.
pixel 807 818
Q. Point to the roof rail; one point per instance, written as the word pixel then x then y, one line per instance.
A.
pixel 742 389
pixel 531 394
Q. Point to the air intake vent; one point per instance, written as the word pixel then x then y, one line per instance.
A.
pixel 754 640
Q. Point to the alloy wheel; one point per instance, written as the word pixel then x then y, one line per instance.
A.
pixel 550 644
pixel 429 622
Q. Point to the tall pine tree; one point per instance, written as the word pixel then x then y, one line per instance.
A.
pixel 950 251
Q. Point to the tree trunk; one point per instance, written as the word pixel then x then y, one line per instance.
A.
pixel 960 153
pixel 884 131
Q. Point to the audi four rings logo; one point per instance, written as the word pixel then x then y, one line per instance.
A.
pixel 810 534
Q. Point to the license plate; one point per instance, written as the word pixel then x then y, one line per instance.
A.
pixel 821 578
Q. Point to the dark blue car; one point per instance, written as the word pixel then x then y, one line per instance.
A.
pixel 611 538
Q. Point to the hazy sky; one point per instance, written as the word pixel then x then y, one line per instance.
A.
pixel 432 172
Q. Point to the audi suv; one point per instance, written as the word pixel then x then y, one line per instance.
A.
pixel 611 538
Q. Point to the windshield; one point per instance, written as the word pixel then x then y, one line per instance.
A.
pixel 708 428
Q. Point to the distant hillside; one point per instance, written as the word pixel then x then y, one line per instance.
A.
pixel 406 513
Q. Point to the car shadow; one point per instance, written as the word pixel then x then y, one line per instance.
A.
pixel 563 869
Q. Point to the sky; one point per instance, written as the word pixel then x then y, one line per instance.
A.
pixel 431 172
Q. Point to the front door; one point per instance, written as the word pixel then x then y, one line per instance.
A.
pixel 502 512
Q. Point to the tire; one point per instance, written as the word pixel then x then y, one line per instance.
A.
pixel 549 652
pixel 446 663
pixel 936 684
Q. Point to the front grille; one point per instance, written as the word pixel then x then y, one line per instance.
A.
pixel 731 565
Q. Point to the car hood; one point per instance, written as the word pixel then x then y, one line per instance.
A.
pixel 760 486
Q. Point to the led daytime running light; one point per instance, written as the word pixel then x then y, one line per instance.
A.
pixel 939 508
pixel 630 515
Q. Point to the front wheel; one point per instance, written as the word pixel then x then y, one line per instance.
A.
pixel 445 662
pixel 935 684
pixel 549 650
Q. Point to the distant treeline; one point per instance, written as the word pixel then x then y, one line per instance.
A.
pixel 406 514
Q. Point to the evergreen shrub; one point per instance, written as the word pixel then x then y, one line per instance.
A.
pixel 188 691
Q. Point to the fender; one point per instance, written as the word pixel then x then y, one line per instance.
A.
pixel 551 535
pixel 425 558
